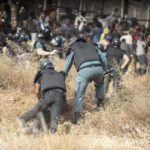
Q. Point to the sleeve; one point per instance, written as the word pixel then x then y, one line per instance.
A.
pixel 37 77
pixel 38 45
pixel 68 63
pixel 103 58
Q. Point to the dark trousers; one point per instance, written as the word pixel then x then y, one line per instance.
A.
pixel 53 99
pixel 47 117
pixel 116 77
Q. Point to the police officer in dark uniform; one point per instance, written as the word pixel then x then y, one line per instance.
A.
pixel 50 90
pixel 40 47
pixel 24 35
pixel 90 64
pixel 117 60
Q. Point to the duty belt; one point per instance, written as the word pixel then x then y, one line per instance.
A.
pixel 92 65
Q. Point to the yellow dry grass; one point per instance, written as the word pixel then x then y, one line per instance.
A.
pixel 124 125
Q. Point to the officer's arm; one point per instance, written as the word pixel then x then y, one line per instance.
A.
pixel 125 61
pixel 41 52
pixel 103 58
pixel 68 63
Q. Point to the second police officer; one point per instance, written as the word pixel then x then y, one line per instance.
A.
pixel 118 61
pixel 90 64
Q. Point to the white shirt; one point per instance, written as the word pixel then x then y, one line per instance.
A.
pixel 79 19
pixel 140 50
pixel 128 38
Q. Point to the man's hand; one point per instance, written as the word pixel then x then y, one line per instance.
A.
pixel 53 52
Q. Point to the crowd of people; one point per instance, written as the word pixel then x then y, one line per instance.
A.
pixel 134 38
pixel 102 49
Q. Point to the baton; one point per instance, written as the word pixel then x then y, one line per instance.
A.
pixel 110 71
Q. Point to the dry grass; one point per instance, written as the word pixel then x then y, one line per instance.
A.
pixel 125 124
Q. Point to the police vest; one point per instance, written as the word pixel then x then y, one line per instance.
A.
pixel 84 52
pixel 114 56
pixel 52 79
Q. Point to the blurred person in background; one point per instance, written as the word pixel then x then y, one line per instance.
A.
pixel 80 22
pixel 117 60
pixel 141 56
pixel 23 17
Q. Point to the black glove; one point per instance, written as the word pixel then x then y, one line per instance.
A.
pixel 37 76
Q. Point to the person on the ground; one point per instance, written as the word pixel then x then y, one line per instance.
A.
pixel 50 90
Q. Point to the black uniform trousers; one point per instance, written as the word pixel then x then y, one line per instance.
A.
pixel 53 99
pixel 116 77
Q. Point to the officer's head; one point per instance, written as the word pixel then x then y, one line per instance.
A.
pixel 116 42
pixel 57 41
pixel 46 64
pixel 80 39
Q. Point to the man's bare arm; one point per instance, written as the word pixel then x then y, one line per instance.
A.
pixel 125 61
pixel 41 52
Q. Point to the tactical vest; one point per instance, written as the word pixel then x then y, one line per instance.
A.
pixel 84 52
pixel 114 56
pixel 52 79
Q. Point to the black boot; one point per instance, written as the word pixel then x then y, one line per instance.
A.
pixel 21 122
pixel 100 105
pixel 77 117
pixel 54 126
pixel 53 130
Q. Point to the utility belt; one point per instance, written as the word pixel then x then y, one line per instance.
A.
pixel 90 66
pixel 55 90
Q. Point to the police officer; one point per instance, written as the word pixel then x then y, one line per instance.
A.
pixel 50 90
pixel 90 64
pixel 24 35
pixel 58 43
pixel 117 60
pixel 40 47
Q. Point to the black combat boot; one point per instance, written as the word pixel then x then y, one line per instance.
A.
pixel 100 105
pixel 53 126
pixel 77 117
pixel 21 122
pixel 53 130
pixel 25 129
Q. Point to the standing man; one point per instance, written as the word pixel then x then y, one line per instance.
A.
pixel 117 60
pixel 80 22
pixel 50 90
pixel 141 56
pixel 90 64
